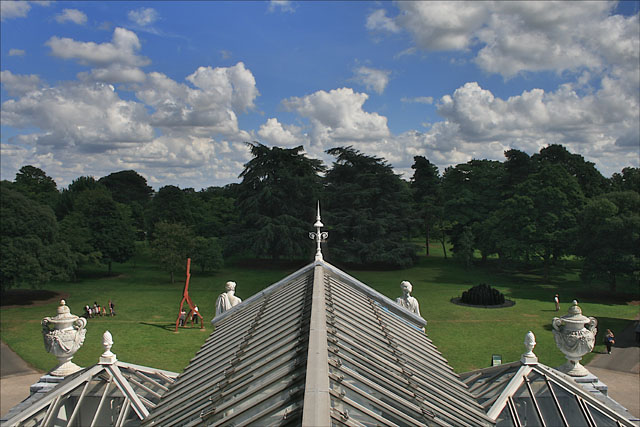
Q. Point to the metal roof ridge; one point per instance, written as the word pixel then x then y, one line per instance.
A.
pixel 375 295
pixel 268 290
pixel 316 406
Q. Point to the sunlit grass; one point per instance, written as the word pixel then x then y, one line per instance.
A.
pixel 147 306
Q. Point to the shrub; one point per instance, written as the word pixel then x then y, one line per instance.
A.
pixel 482 294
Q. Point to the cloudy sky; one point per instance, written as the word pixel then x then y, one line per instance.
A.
pixel 173 90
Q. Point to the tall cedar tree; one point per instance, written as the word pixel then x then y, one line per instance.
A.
pixel 473 191
pixel 427 195
pixel 609 237
pixel 276 201
pixel 368 210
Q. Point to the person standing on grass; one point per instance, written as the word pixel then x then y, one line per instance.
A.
pixel 556 299
pixel 194 318
pixel 112 311
pixel 609 340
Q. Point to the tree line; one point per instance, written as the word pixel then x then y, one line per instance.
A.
pixel 523 211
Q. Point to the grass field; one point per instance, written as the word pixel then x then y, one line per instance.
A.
pixel 147 304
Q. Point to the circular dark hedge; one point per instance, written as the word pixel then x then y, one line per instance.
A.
pixel 482 294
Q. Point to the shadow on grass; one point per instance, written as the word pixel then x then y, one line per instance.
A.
pixel 171 327
pixel 166 326
pixel 526 282
pixel 24 297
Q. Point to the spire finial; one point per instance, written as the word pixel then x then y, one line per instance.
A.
pixel 318 235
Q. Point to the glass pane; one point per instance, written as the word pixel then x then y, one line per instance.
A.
pixel 570 407
pixel 600 418
pixel 504 419
pixel 545 400
pixel 525 407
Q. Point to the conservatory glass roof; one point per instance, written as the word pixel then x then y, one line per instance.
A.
pixel 115 394
pixel 517 394
pixel 318 348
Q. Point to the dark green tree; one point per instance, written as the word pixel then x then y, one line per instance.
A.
pixel 109 223
pixel 276 201
pixel 207 253
pixel 37 185
pixel 130 188
pixel 368 208
pixel 590 180
pixel 472 192
pixel 127 187
pixel 171 246
pixel 31 252
pixel 557 201
pixel 609 237
pixel 67 197
pixel 427 195
pixel 170 204
pixel 628 180
pixel 517 169
pixel 463 251
pixel 215 213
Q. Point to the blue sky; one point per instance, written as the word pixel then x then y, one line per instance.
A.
pixel 174 89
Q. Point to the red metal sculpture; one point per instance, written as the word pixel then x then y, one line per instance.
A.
pixel 192 307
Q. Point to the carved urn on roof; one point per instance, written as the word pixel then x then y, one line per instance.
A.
pixel 63 336
pixel 575 336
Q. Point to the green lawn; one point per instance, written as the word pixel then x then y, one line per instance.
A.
pixel 147 304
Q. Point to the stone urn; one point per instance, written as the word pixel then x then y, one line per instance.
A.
pixel 63 336
pixel 575 336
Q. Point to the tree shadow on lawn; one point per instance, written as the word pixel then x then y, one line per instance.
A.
pixel 622 329
pixel 528 283
pixel 23 297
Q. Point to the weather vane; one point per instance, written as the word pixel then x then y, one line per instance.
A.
pixel 318 235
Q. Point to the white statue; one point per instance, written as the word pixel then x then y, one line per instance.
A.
pixel 227 299
pixel 406 300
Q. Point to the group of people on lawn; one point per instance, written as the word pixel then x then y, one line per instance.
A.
pixel 96 310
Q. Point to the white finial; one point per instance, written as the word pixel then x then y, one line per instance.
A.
pixel 318 235
pixel 529 358
pixel 107 358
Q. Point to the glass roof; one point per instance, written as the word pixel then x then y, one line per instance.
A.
pixel 118 394
pixel 519 395
pixel 252 368
pixel 379 366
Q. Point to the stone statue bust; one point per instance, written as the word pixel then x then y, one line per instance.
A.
pixel 406 300
pixel 227 299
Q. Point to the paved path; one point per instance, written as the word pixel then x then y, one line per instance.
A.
pixel 620 370
pixel 15 378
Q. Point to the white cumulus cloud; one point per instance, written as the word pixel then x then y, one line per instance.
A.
pixel 19 84
pixel 73 15
pixel 115 62
pixel 372 79
pixel 14 9
pixel 337 117
pixel 210 106
pixel 275 133
pixel 144 16
pixel 89 117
